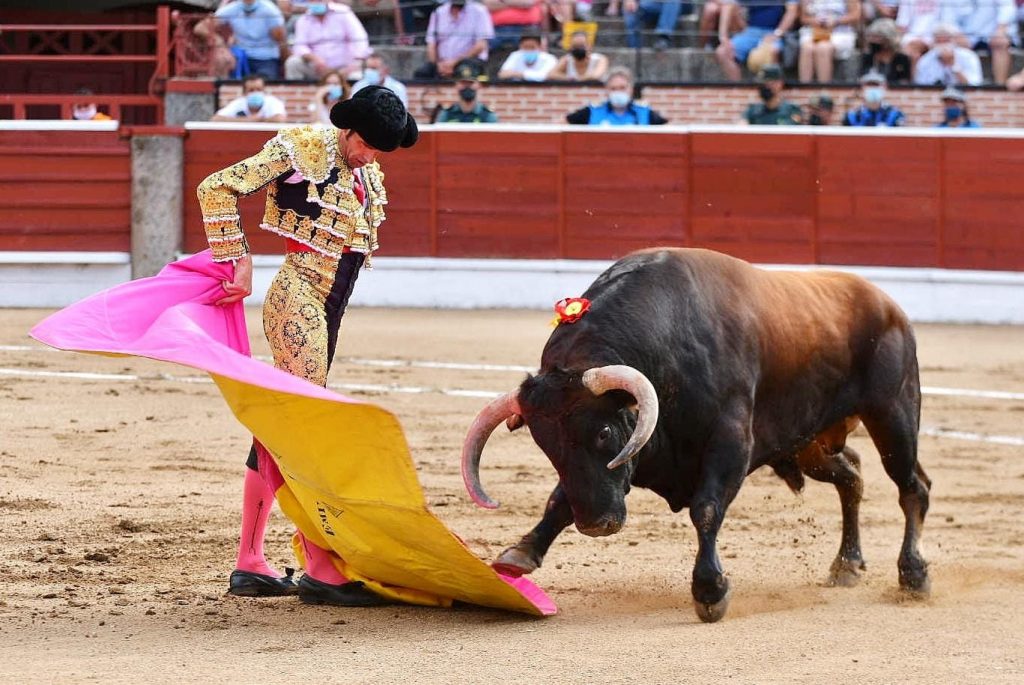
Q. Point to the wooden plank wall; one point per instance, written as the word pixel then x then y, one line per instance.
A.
pixel 797 199
pixel 65 191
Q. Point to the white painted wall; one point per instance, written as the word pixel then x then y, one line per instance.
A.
pixel 52 279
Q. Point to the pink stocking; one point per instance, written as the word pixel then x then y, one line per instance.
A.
pixel 319 565
pixel 257 501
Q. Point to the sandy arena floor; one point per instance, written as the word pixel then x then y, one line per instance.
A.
pixel 118 517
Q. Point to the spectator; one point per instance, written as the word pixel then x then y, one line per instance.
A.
pixel 85 109
pixel 819 110
pixel 468 75
pixel 333 88
pixel 827 34
pixel 619 109
pixel 215 37
pixel 457 30
pixel 948 64
pixel 874 111
pixel 767 22
pixel 774 109
pixel 955 110
pixel 664 13
pixel 377 73
pixel 513 18
pixel 916 20
pixel 529 62
pixel 328 37
pixel 581 64
pixel 988 25
pixel 254 105
pixel 879 9
pixel 883 55
pixel 708 28
pixel 258 27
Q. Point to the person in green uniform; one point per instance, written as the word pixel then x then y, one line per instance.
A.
pixel 468 74
pixel 773 110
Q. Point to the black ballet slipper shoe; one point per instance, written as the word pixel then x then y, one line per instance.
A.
pixel 249 584
pixel 353 594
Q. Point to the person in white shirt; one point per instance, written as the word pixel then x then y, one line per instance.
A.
pixel 948 64
pixel 529 62
pixel 377 73
pixel 916 20
pixel 987 25
pixel 254 105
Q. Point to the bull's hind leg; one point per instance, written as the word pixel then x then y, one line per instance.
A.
pixel 894 432
pixel 842 469
pixel 527 555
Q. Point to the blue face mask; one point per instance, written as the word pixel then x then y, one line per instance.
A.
pixel 953 112
pixel 619 98
pixel 249 9
pixel 530 56
pixel 254 100
pixel 371 75
pixel 873 96
pixel 334 92
pixel 318 9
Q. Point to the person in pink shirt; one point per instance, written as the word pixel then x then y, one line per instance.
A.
pixel 458 30
pixel 328 37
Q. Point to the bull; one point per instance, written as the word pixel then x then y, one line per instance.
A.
pixel 691 370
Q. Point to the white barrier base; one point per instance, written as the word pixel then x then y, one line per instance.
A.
pixel 56 279
pixel 51 279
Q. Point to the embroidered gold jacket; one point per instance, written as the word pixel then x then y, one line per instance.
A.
pixel 310 198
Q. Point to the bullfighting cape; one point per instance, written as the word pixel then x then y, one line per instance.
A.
pixel 358 496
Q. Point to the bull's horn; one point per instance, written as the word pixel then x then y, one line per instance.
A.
pixel 472 449
pixel 620 377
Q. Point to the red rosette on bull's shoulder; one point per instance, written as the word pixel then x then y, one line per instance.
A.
pixel 571 309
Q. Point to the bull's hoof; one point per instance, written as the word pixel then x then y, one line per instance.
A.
pixel 845 572
pixel 916 587
pixel 514 562
pixel 712 613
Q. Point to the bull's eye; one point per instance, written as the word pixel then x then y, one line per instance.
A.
pixel 603 436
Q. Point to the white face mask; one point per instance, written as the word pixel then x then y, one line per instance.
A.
pixel 84 114
pixel 619 98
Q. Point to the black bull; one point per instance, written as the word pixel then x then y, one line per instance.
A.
pixel 691 370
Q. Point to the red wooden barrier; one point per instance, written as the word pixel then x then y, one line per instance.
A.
pixel 65 191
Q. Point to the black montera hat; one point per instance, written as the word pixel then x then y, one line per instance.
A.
pixel 377 114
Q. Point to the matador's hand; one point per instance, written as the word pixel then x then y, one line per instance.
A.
pixel 240 286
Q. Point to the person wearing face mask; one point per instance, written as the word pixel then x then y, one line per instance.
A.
pixel 333 88
pixel 468 110
pixel 254 104
pixel 948 64
pixel 581 64
pixel 874 111
pixel 955 114
pixel 619 109
pixel 529 63
pixel 773 109
pixel 328 37
pixel 819 110
pixel 258 28
pixel 882 52
pixel 326 199
pixel 377 73
pixel 86 110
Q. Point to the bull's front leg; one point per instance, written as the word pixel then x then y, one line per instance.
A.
pixel 725 464
pixel 527 555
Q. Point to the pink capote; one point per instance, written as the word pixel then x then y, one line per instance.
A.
pixel 173 317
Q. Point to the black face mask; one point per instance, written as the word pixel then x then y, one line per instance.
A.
pixel 874 48
pixel 766 92
pixel 578 53
pixel 468 94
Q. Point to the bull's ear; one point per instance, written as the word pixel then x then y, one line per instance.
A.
pixel 514 422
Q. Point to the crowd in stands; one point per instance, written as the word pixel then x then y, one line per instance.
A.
pixel 893 42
